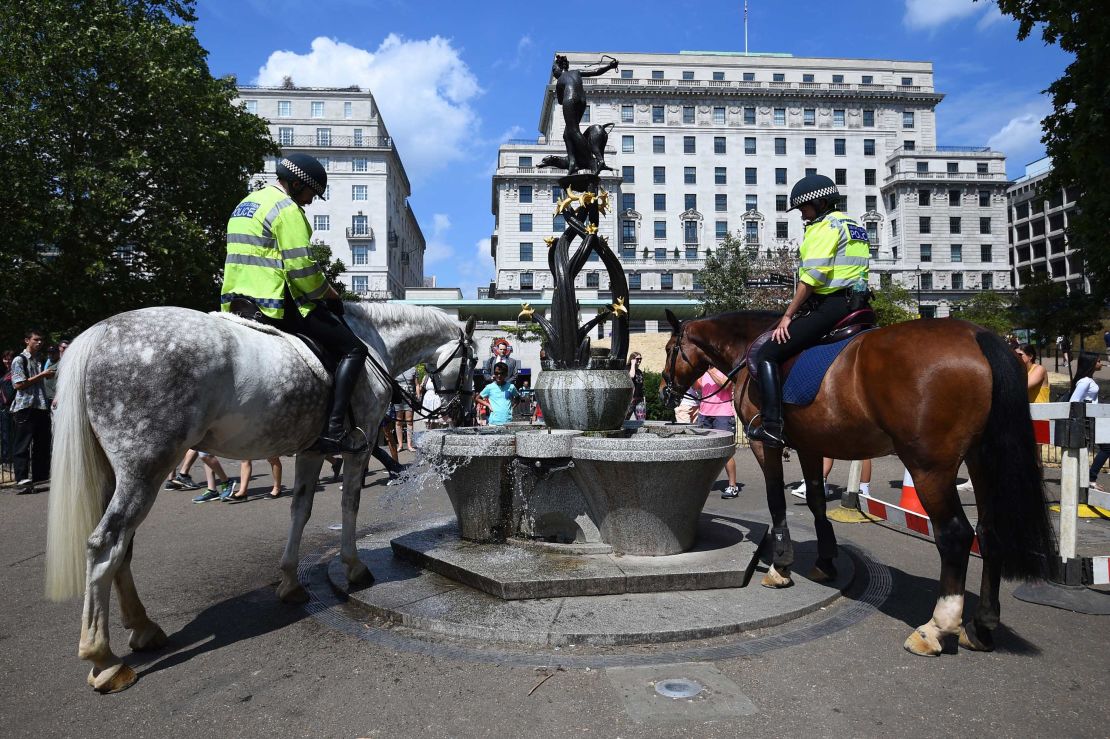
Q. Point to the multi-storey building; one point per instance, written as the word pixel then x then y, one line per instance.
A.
pixel 707 144
pixel 366 218
pixel 946 212
pixel 1038 231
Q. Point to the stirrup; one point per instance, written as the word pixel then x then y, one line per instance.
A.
pixel 330 445
pixel 762 434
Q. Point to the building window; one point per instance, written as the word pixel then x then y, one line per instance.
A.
pixel 954 223
pixel 924 225
pixel 358 192
pixel 893 201
pixel 841 176
pixel 985 225
pixel 922 167
pixel 626 113
pixel 807 77
pixel 981 167
pixel 360 284
pixel 809 117
pixel 750 176
pixel 687 74
pixel 780 116
pixel 909 145
pixel 718 76
pixel 628 201
pixel 360 225
pixel 953 167
pixel 984 198
pixel 660 229
pixel 666 281
pixel 719 115
pixel 692 251
pixel 922 197
pixel 986 281
pixel 626 74
pixel 782 230
pixel 718 144
pixel 360 164
pixel 926 252
pixel 557 192
pixel 867 80
pixel 751 202
pixel 690 175
pixel 720 202
pixel 317 109
pixel 689 146
pixel 659 175
pixel 872 231
pixel 780 175
pixel 525 193
pixel 720 175
pixel 285 135
pixel 810 171
pixel 634 281
pixel 749 144
pixel 956 252
pixel 838 79
pixel 869 119
pixel 778 77
pixel 558 224
pixel 586 115
pixel 749 76
pixel 838 117
pixel 251 106
pixel 592 279
pixel 525 222
pixel 869 177
pixel 526 281
pixel 321 223
pixel 871 202
pixel 348 109
pixel 628 231
pixel 323 137
pixel 690 232
pixel 894 227
pixel 658 145
pixel 957 280
pixel 357 136
pixel 749 116
pixel 628 175
pixel 811 147
pixel 954 198
pixel 985 253
pixel 687 113
pixel 869 147
pixel 657 74
pixel 285 108
pixel 907 119
pixel 325 162
pixel 780 147
pixel 780 203
pixel 526 252
pixel 657 114
pixel 840 147
pixel 720 230
pixel 628 144
pixel 659 200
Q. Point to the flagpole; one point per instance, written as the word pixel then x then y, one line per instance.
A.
pixel 745 27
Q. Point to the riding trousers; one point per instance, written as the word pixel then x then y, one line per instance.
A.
pixel 825 311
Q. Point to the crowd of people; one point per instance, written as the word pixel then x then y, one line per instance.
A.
pixel 27 390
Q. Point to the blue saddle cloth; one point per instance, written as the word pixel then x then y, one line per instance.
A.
pixel 804 380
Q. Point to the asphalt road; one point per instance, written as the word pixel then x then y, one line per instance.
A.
pixel 240 663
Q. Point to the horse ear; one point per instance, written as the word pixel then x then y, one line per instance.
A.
pixel 675 323
pixel 469 328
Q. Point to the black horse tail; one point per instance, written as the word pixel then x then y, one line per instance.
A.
pixel 1022 537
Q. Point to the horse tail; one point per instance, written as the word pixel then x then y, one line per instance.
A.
pixel 1023 537
pixel 79 471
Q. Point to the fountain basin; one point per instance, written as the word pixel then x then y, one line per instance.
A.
pixel 480 483
pixel 585 400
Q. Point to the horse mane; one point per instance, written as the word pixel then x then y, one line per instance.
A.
pixel 380 314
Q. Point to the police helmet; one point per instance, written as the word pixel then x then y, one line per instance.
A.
pixel 304 169
pixel 812 187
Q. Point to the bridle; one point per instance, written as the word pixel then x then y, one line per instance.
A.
pixel 455 396
pixel 669 396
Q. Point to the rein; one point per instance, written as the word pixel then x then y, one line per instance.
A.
pixel 679 350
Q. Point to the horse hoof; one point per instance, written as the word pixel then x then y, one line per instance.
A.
pixel 923 644
pixel 112 679
pixel 975 639
pixel 822 572
pixel 147 638
pixel 775 580
pixel 359 575
pixel 294 594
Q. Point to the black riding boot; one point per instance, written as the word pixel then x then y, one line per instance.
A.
pixel 346 375
pixel 770 409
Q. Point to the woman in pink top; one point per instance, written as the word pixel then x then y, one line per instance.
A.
pixel 718 412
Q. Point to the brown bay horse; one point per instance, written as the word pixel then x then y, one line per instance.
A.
pixel 935 392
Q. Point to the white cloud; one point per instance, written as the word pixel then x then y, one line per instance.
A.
pixel 931 14
pixel 423 88
pixel 478 271
pixel 437 249
pixel 1020 138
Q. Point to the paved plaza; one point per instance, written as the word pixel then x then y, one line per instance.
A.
pixel 241 663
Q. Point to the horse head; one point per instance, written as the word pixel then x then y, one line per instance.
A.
pixel 685 363
pixel 453 373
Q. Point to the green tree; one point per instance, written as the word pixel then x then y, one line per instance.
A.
pixel 1050 310
pixel 1076 132
pixel 988 309
pixel 122 158
pixel 725 276
pixel 321 254
pixel 893 303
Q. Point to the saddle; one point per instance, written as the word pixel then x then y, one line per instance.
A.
pixel 246 308
pixel 801 387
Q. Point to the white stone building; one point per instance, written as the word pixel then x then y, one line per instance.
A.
pixel 1037 229
pixel 366 218
pixel 710 143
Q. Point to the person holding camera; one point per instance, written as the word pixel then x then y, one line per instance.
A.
pixel 31 413
pixel 637 408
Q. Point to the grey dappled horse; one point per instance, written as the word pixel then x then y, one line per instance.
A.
pixel 139 389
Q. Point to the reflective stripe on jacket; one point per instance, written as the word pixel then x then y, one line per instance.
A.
pixel 834 253
pixel 267 247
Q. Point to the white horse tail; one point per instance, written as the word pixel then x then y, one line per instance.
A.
pixel 79 471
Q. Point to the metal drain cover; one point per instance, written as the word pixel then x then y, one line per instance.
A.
pixel 678 687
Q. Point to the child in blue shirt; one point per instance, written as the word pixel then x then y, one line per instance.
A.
pixel 498 396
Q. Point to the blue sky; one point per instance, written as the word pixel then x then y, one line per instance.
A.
pixel 454 80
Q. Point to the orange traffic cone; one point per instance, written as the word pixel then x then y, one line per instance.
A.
pixel 910 501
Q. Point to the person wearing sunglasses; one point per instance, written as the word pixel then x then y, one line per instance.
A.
pixel 499 396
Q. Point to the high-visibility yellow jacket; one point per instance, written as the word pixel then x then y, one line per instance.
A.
pixel 834 253
pixel 267 248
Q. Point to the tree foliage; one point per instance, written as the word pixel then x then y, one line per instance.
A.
pixel 1077 131
pixel 989 309
pixel 321 254
pixel 725 276
pixel 893 303
pixel 1050 310
pixel 123 158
